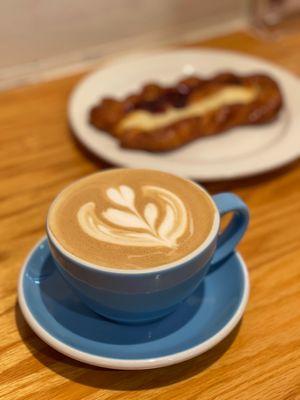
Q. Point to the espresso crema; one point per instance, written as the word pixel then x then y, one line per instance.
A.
pixel 131 218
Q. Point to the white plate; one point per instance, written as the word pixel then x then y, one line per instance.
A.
pixel 243 151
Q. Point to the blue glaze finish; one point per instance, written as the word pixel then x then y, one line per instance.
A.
pixel 135 297
pixel 59 311
pixel 148 306
pixel 144 295
pixel 227 241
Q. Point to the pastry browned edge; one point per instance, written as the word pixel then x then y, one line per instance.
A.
pixel 109 114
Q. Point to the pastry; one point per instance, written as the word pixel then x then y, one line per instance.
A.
pixel 165 118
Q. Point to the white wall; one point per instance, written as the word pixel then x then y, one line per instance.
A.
pixel 36 32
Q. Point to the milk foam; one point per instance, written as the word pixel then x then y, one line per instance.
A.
pixel 123 224
pixel 131 218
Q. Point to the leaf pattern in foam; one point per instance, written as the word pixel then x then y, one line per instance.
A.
pixel 150 214
pixel 124 219
pixel 173 225
pixel 128 195
pixel 168 222
pixel 115 196
pixel 123 196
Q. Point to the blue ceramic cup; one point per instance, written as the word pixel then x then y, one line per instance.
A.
pixel 136 296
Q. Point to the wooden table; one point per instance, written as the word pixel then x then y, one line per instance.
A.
pixel 259 360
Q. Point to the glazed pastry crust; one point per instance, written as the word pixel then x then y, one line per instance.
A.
pixel 110 114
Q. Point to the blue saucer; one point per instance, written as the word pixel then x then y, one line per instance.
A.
pixel 56 314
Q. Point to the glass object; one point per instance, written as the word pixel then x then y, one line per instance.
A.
pixel 276 16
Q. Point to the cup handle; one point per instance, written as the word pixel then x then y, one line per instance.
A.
pixel 233 233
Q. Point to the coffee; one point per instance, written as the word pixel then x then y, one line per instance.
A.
pixel 131 218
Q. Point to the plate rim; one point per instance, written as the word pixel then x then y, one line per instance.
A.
pixel 272 164
pixel 132 364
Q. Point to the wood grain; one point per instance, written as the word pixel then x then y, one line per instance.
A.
pixel 259 360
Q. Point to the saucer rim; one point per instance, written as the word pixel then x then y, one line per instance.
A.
pixel 130 364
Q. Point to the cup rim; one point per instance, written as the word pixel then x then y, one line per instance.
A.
pixel 203 246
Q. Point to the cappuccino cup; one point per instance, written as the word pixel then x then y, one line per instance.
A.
pixel 134 243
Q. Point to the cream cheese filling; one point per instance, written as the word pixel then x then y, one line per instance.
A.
pixel 147 121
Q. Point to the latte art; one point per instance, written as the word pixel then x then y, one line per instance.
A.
pixel 127 226
pixel 131 218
